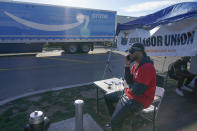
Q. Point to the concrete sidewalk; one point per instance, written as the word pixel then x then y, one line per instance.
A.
pixel 176 113
pixel 89 124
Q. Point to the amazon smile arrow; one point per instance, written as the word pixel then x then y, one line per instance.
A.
pixel 80 18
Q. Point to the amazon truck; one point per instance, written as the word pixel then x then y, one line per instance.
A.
pixel 26 27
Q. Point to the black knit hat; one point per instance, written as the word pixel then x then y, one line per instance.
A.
pixel 136 47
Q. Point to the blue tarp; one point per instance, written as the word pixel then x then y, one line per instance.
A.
pixel 168 15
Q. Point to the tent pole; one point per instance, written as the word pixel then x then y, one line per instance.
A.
pixel 164 64
pixel 108 61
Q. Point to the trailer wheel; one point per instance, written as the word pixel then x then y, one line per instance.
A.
pixel 72 48
pixel 85 48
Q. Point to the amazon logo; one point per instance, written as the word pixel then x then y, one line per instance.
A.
pixel 44 27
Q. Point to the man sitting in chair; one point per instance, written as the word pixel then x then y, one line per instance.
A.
pixel 178 71
pixel 139 94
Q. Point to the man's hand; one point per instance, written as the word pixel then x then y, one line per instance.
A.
pixel 125 84
pixel 127 61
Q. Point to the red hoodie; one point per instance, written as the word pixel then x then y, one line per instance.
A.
pixel 145 74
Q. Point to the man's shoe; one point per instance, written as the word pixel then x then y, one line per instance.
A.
pixel 179 92
pixel 186 88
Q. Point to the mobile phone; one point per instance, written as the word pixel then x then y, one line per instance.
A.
pixel 128 57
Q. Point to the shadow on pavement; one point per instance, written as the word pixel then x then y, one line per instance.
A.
pixel 176 113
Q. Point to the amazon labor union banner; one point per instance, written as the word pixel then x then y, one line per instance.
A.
pixel 173 39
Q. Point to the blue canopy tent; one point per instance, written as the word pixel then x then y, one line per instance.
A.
pixel 169 32
pixel 170 14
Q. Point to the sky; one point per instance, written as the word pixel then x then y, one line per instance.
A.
pixel 133 8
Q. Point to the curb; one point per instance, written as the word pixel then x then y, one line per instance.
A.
pixel 18 54
pixel 3 102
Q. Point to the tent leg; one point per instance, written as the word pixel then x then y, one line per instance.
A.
pixel 164 63
pixel 108 63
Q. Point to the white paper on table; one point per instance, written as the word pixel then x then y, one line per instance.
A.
pixel 108 82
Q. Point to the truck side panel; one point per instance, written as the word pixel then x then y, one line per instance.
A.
pixel 23 22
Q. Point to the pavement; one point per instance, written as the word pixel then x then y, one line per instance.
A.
pixel 176 113
pixel 89 124
pixel 23 74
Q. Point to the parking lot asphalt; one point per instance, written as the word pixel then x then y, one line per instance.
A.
pixel 24 74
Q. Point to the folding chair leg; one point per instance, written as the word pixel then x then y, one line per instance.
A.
pixel 131 126
pixel 154 114
pixel 165 81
